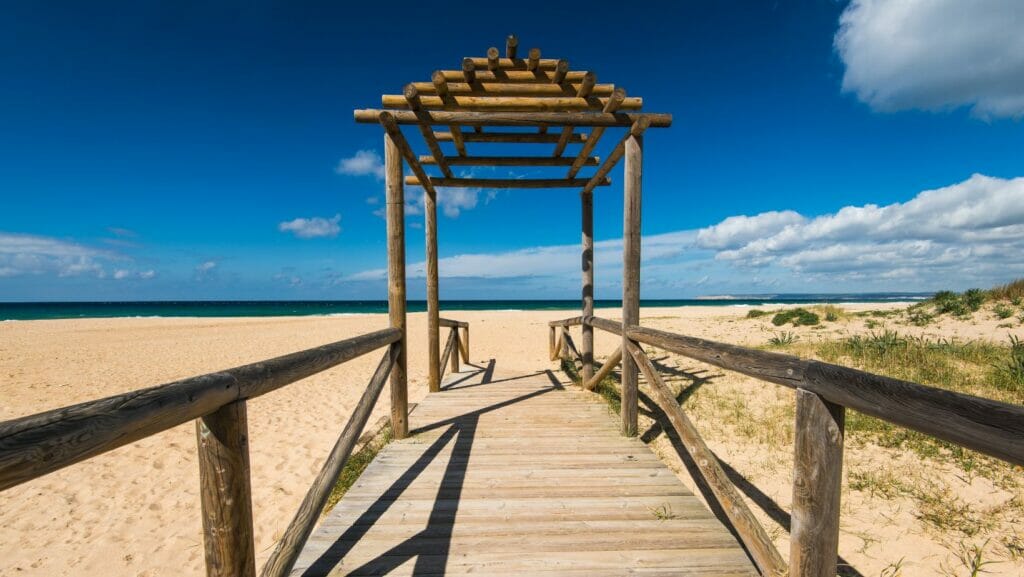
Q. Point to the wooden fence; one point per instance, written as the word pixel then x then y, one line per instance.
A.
pixel 36 445
pixel 823 393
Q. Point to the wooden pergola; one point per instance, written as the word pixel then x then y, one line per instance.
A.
pixel 491 100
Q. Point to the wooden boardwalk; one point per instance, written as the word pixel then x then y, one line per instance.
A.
pixel 515 474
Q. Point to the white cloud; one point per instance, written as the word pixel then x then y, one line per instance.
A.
pixel 315 227
pixel 972 225
pixel 935 54
pixel 736 231
pixel 205 270
pixel 147 274
pixel 362 163
pixel 28 254
pixel 122 274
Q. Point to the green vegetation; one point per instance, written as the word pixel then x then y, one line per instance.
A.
pixel 798 317
pixel 1002 311
pixel 756 313
pixel 356 464
pixel 783 339
pixel 1012 292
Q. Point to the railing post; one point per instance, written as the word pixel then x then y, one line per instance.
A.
pixel 587 266
pixel 464 344
pixel 817 480
pixel 631 277
pixel 225 492
pixel 551 343
pixel 564 341
pixel 456 352
pixel 395 202
pixel 433 302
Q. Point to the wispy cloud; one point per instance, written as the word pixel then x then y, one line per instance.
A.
pixel 205 270
pixel 315 227
pixel 28 254
pixel 935 54
pixel 362 163
pixel 126 274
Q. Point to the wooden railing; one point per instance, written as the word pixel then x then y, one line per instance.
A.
pixel 36 445
pixel 455 346
pixel 823 392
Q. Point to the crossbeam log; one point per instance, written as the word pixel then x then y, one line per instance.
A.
pixel 612 105
pixel 412 97
pixel 509 103
pixel 510 161
pixel 505 182
pixel 636 130
pixel 510 137
pixel 471 118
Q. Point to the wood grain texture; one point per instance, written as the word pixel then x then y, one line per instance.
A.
pixel 616 154
pixel 493 483
pixel 471 118
pixel 395 213
pixel 453 323
pixel 508 76
pixel 606 369
pixel 817 482
pixel 506 182
pixel 511 137
pixel 391 128
pixel 433 295
pixel 566 89
pixel 587 282
pixel 410 96
pixel 456 350
pixel 507 103
pixel 225 491
pixel 632 191
pixel 449 347
pixel 282 559
pixel 38 444
pixel 753 535
pixel 511 161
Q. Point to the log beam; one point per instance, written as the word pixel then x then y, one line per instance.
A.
pixel 507 103
pixel 506 182
pixel 475 118
pixel 412 98
pixel 612 105
pixel 510 161
pixel 514 76
pixel 638 128
pixel 606 369
pixel 440 86
pixel 459 88
pixel 510 137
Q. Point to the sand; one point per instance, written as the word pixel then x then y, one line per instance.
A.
pixel 134 511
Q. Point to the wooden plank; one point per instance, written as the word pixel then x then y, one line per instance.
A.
pixel 506 182
pixel 77 432
pixel 511 161
pixel 817 483
pixel 566 89
pixel 225 492
pixel 631 277
pixel 395 213
pixel 756 539
pixel 475 118
pixel 460 102
pixel 511 137
pixel 287 550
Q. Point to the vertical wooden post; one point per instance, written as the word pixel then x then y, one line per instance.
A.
pixel 225 492
pixel 817 480
pixel 631 276
pixel 456 350
pixel 587 341
pixel 395 201
pixel 564 343
pixel 551 343
pixel 433 299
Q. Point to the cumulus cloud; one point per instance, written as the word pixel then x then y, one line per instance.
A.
pixel 977 224
pixel 123 274
pixel 28 254
pixel 736 231
pixel 935 55
pixel 362 163
pixel 315 227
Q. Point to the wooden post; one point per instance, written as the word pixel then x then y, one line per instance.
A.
pixel 395 201
pixel 587 341
pixel 562 344
pixel 225 492
pixel 433 302
pixel 551 343
pixel 456 351
pixel 609 365
pixel 631 277
pixel 464 344
pixel 817 480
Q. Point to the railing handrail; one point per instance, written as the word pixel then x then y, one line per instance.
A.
pixel 35 445
pixel 451 323
pixel 985 425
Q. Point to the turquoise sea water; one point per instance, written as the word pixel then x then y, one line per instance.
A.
pixel 63 310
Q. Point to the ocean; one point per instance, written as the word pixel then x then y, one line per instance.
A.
pixel 75 310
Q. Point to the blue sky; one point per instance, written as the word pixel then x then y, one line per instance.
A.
pixel 167 150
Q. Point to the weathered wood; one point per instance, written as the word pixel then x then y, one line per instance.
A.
pixel 606 369
pixel 294 539
pixel 510 137
pixel 984 425
pixel 506 182
pixel 395 213
pixel 475 118
pixel 464 344
pixel 492 58
pixel 451 323
pixel 587 281
pixel 459 88
pixel 561 70
pixel 631 276
pixel 551 342
pixel 753 535
pixel 468 73
pixel 456 350
pixel 613 104
pixel 440 87
pixel 609 326
pixel 413 101
pixel 637 129
pixel 508 76
pixel 388 122
pixel 511 46
pixel 571 352
pixel 533 62
pixel 433 295
pixel 225 491
pixel 569 322
pixel 35 445
pixel 583 91
pixel 509 64
pixel 448 348
pixel 506 103
pixel 817 483
pixel 510 161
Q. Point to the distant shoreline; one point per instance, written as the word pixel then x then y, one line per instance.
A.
pixel 22 311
